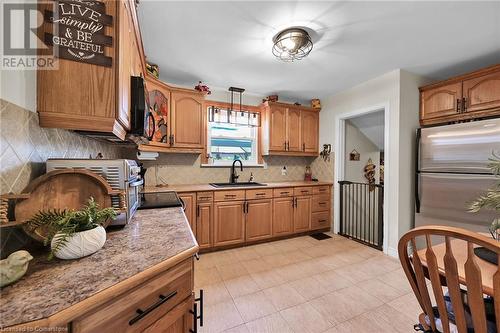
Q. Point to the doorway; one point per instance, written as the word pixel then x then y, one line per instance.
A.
pixel 361 176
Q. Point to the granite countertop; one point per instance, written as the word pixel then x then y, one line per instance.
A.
pixel 48 287
pixel 207 187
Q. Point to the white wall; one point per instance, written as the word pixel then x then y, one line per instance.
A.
pixel 19 87
pixel 402 121
pixel 355 139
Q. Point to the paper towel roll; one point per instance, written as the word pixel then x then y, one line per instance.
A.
pixel 147 155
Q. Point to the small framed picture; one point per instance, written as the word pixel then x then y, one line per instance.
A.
pixel 354 155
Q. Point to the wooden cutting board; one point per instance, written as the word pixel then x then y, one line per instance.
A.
pixel 59 190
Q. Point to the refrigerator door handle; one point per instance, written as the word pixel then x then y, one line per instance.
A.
pixel 417 171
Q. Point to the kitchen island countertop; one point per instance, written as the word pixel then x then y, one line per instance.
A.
pixel 152 242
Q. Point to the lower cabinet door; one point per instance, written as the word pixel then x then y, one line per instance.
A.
pixel 229 223
pixel 177 320
pixel 189 200
pixel 204 224
pixel 302 214
pixel 283 216
pixel 259 219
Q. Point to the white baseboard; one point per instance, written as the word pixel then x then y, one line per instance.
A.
pixel 392 252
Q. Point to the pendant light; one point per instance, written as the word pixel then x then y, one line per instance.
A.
pixel 234 116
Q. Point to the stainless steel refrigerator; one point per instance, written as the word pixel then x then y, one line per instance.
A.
pixel 452 171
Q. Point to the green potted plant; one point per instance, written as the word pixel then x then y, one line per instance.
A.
pixel 490 200
pixel 74 234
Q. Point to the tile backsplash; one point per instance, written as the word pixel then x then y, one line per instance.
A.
pixel 185 169
pixel 25 146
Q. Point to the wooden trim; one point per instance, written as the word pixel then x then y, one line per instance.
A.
pixel 165 148
pixel 292 153
pixel 62 318
pixel 463 77
pixel 289 106
pixel 165 85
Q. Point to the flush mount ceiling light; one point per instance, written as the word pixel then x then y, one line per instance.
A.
pixel 292 44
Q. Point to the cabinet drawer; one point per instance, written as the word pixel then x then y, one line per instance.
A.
pixel 154 298
pixel 205 196
pixel 283 192
pixel 304 190
pixel 229 195
pixel 321 189
pixel 259 194
pixel 320 220
pixel 321 203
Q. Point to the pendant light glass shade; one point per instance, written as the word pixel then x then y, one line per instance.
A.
pixel 292 44
pixel 239 118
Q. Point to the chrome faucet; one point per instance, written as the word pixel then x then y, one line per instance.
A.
pixel 234 176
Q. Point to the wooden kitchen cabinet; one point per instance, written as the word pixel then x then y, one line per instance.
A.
pixel 98 102
pixel 309 131
pixel 466 97
pixel 294 133
pixel 482 93
pixel 278 130
pixel 302 214
pixel 186 119
pixel 204 224
pixel 290 129
pixel 259 217
pixel 229 222
pixel 283 212
pixel 189 200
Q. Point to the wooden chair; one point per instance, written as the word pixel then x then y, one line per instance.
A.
pixel 454 266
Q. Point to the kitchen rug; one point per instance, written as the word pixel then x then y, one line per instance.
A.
pixel 320 236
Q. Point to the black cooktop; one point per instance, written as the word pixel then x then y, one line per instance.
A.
pixel 159 200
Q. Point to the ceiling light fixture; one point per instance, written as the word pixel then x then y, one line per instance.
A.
pixel 292 44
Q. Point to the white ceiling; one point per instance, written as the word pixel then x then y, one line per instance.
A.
pixel 228 43
pixel 372 126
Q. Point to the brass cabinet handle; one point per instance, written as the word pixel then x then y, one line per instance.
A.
pixel 303 146
pixel 464 104
pixel 458 105
pixel 322 221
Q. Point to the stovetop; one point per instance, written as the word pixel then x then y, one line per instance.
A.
pixel 159 200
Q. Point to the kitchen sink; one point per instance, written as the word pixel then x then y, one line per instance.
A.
pixel 237 184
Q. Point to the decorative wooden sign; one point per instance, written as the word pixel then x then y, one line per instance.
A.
pixel 79 31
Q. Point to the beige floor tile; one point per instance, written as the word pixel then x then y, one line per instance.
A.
pixel 283 296
pixel 359 325
pixel 254 306
pixel 240 286
pixel 207 260
pixel 351 258
pixel 382 264
pixel 396 279
pixel 256 265
pixel 238 329
pixel 317 251
pixel 231 271
pixel 304 318
pixel 270 324
pixel 291 272
pixel 344 304
pixel 333 261
pixel 247 253
pixel 221 316
pixel 266 249
pixel 332 281
pixel 380 290
pixel 301 242
pixel 309 287
pixel 390 319
pixel 407 305
pixel 285 246
pixel 267 279
pixel 226 257
pixel 367 252
pixel 215 293
pixel 204 277
pixel 356 272
pixel 276 260
pixel 296 256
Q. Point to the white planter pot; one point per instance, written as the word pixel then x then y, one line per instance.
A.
pixel 81 244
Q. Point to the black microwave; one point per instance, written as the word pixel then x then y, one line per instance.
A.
pixel 141 120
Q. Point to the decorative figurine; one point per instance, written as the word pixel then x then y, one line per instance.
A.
pixel 14 267
pixel 316 103
pixel 203 88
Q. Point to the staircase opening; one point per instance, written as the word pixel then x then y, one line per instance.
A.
pixel 361 188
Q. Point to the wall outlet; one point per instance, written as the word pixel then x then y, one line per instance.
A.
pixel 284 171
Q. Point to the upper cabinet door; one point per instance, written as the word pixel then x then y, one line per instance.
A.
pixel 482 93
pixel 310 129
pixel 440 102
pixel 187 120
pixel 277 128
pixel 294 135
